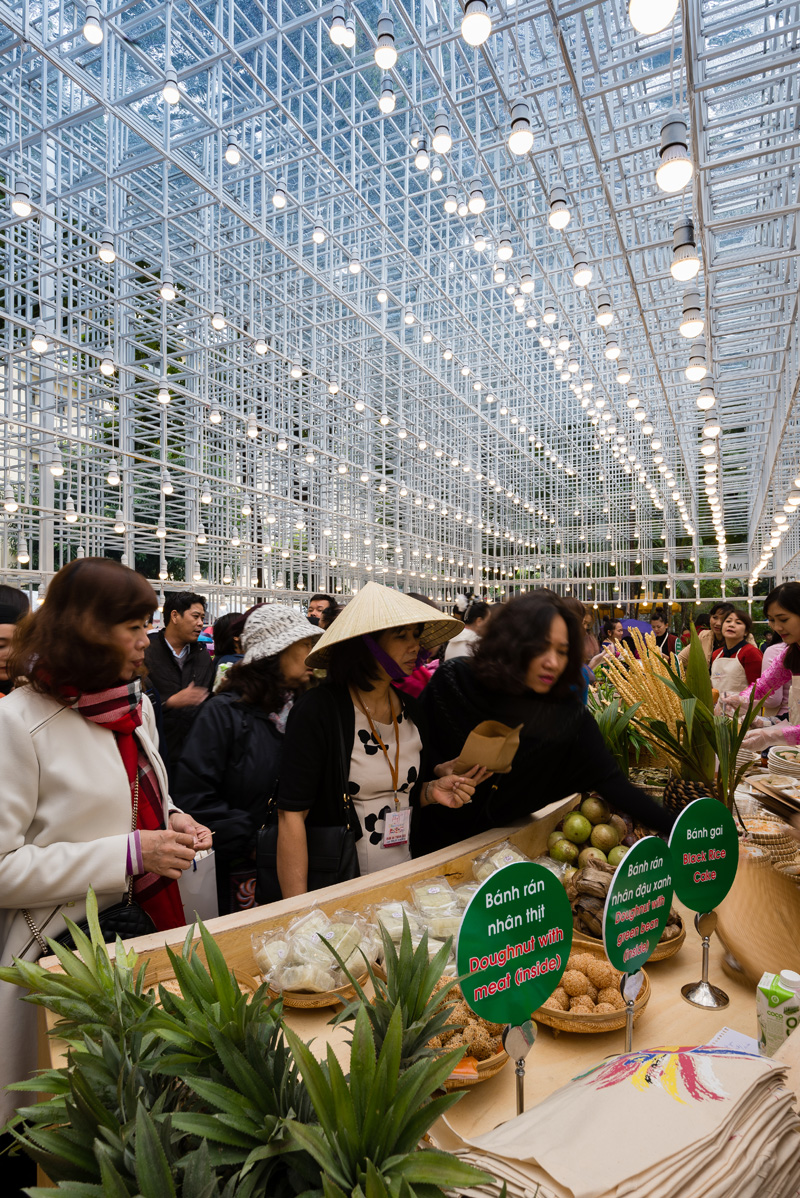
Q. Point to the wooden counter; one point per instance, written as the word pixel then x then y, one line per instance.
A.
pixel 555 1058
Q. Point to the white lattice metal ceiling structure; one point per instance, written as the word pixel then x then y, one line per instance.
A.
pixel 458 417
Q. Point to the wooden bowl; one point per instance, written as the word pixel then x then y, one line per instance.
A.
pixel 306 1000
pixel 485 1070
pixel 569 1021
pixel 663 950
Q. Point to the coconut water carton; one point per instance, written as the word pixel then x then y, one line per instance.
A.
pixel 777 1009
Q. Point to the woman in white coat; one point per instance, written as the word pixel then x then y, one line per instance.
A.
pixel 77 742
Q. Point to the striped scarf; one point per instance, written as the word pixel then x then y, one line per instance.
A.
pixel 119 709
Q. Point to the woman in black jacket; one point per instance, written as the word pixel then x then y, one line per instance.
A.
pixel 524 671
pixel 229 767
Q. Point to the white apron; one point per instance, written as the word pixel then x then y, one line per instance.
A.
pixel 794 701
pixel 727 675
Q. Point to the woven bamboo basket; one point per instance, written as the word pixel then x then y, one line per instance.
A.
pixel 483 1071
pixel 569 1021
pixel 663 950
pixel 790 870
pixel 166 978
pixel 306 1001
pixel 758 920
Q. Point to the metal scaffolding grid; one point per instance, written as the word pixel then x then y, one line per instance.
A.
pixel 309 436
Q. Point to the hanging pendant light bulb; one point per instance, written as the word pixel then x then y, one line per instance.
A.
pixel 39 339
pixel 163 392
pixel 712 427
pixel 526 282
pixel 167 287
pixel 252 427
pixel 119 522
pixel 651 16
pixel 201 535
pixel 520 139
pixel 279 194
pixel 217 318
pixel 451 201
pixel 10 503
pixel 693 322
pixel 560 214
pixel 505 250
pixel 333 387
pixel 226 574
pixel 623 372
pixel 350 32
pixel 463 207
pixel 479 241
pixel 106 252
pixel 70 515
pixel 447 354
pixel 92 29
pixel 112 477
pixel 499 273
pixel 437 174
pixel 442 140
pixel 56 462
pixel 214 415
pixel 338 29
pixel 296 370
pixel 422 158
pixel 581 270
pixel 382 295
pixel 477 201
pixel 21 202
pixel 235 539
pixel 166 482
pixel 386 100
pixel 476 24
pixel 549 315
pixel 23 557
pixel 354 265
pixel 205 493
pixel 685 261
pixel 706 398
pixel 169 89
pixel 233 155
pixel 676 168
pixel 385 51
pixel 708 448
pixel 612 350
pixel 605 313
pixel 697 369
pixel 107 363
pixel 260 346
pixel 319 235
pixel 163 570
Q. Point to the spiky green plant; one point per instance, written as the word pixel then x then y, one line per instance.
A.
pixel 366 1142
pixel 411 981
pixel 618 729
pixel 701 738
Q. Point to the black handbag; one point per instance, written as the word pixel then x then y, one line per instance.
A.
pixel 126 919
pixel 332 852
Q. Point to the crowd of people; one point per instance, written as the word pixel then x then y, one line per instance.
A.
pixel 127 751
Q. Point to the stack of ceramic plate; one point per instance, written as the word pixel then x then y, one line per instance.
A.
pixel 747 757
pixel 784 761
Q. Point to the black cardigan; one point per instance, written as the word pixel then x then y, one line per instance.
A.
pixel 312 754
pixel 561 751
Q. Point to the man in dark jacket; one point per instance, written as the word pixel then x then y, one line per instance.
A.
pixel 179 668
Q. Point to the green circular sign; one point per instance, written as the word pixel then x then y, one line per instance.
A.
pixel 638 904
pixel 514 942
pixel 705 852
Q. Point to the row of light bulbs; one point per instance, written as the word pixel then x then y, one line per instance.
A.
pixel 780 526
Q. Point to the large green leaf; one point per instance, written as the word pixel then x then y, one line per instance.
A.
pixel 152 1168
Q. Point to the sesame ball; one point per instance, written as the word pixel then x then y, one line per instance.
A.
pixel 612 997
pixel 582 1005
pixel 575 983
pixel 602 973
pixel 604 1008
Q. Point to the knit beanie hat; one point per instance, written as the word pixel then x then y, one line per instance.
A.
pixel 271 628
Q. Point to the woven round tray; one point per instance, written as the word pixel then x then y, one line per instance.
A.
pixel 307 1001
pixel 784 868
pixel 485 1070
pixel 167 979
pixel 568 1021
pixel 663 950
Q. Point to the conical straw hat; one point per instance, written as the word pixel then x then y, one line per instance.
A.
pixel 376 608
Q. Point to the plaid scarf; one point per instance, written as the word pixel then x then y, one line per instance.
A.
pixel 119 709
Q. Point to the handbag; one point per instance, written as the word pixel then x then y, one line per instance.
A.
pixel 332 852
pixel 126 919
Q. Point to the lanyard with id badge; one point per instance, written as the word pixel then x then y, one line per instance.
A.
pixel 397 823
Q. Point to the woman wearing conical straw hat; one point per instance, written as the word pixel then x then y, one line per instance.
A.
pixel 358 722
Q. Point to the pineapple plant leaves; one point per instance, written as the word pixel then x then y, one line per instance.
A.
pixel 411 981
pixel 380 1150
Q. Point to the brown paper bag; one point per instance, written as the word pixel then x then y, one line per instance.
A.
pixel 490 744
